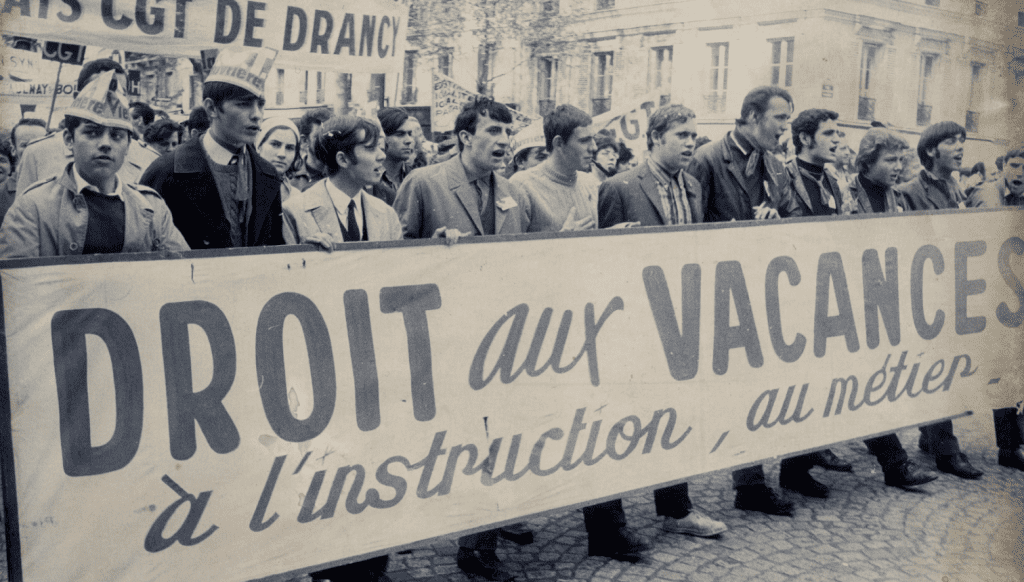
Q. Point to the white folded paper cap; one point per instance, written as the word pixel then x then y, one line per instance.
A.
pixel 247 68
pixel 529 137
pixel 102 101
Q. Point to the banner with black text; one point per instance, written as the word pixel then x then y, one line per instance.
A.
pixel 236 415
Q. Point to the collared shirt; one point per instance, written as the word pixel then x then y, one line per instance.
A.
pixel 672 191
pixel 341 201
pixel 82 184
pixel 217 152
pixel 403 171
pixel 949 188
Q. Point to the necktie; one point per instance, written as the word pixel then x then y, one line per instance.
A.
pixel 753 163
pixel 352 230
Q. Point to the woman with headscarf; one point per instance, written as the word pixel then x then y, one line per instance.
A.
pixel 278 143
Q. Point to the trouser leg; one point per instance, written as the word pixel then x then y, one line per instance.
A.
pixel 748 476
pixel 365 571
pixel 1008 431
pixel 888 450
pixel 940 438
pixel 485 540
pixel 673 501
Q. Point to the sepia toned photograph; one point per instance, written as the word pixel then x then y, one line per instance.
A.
pixel 481 290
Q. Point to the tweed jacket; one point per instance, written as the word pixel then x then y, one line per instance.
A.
pixel 441 195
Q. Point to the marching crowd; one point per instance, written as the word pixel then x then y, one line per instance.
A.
pixel 239 180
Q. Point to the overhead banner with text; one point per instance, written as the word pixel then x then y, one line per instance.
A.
pixel 629 123
pixel 350 36
pixel 234 416
pixel 448 99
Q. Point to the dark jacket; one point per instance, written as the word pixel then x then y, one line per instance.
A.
pixel 798 200
pixel 184 179
pixel 993 195
pixel 633 197
pixel 719 169
pixel 862 204
pixel 927 193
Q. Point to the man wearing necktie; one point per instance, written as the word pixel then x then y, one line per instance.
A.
pixel 740 179
pixel 466 196
pixel 339 208
pixel 221 192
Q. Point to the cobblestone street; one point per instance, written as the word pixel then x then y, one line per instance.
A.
pixel 952 530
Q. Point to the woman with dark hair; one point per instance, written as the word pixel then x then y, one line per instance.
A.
pixel 163 135
pixel 606 159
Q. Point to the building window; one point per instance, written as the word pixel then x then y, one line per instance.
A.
pixel 409 78
pixel 485 68
pixel 1020 19
pixel 868 71
pixel 444 62
pixel 304 93
pixel 605 4
pixel 782 62
pixel 979 8
pixel 376 92
pixel 660 74
pixel 279 99
pixel 924 89
pixel 547 84
pixel 345 87
pixel 931 2
pixel 718 77
pixel 320 87
pixel 601 93
pixel 976 99
pixel 550 6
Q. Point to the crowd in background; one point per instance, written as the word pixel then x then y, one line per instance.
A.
pixel 228 177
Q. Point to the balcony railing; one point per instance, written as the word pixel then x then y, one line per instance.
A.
pixel 924 114
pixel 973 121
pixel 866 109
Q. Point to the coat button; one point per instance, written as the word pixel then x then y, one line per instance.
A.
pixel 74 246
pixel 206 243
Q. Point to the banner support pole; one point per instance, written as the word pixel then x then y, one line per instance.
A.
pixel 53 98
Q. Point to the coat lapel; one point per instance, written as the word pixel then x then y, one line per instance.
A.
pixel 466 193
pixel 372 220
pixel 324 214
pixel 650 188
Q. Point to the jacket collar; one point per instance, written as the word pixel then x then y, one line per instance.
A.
pixel 190 158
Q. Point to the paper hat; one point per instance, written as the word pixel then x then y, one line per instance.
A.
pixel 529 137
pixel 103 102
pixel 247 68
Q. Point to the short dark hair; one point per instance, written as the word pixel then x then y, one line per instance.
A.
pixel 757 100
pixel 6 151
pixel 808 122
pixel 143 110
pixel 199 119
pixel 935 134
pixel 219 92
pixel 520 158
pixel 561 122
pixel 663 118
pixel 161 130
pixel 999 162
pixel 476 108
pixel 311 117
pixel 1016 151
pixel 96 67
pixel 342 134
pixel 606 138
pixel 625 154
pixel 26 121
pixel 875 142
pixel 391 119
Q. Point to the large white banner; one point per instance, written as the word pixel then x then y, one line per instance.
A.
pixel 237 415
pixel 352 36
pixel 449 97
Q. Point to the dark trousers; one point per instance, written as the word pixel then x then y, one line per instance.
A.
pixel 888 450
pixel 939 438
pixel 365 571
pixel 1009 433
pixel 485 540
pixel 755 475
pixel 609 516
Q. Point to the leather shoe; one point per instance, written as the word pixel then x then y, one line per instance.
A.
pixel 486 565
pixel 622 545
pixel 908 474
pixel 957 465
pixel 803 484
pixel 1013 458
pixel 517 533
pixel 761 498
pixel 830 462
